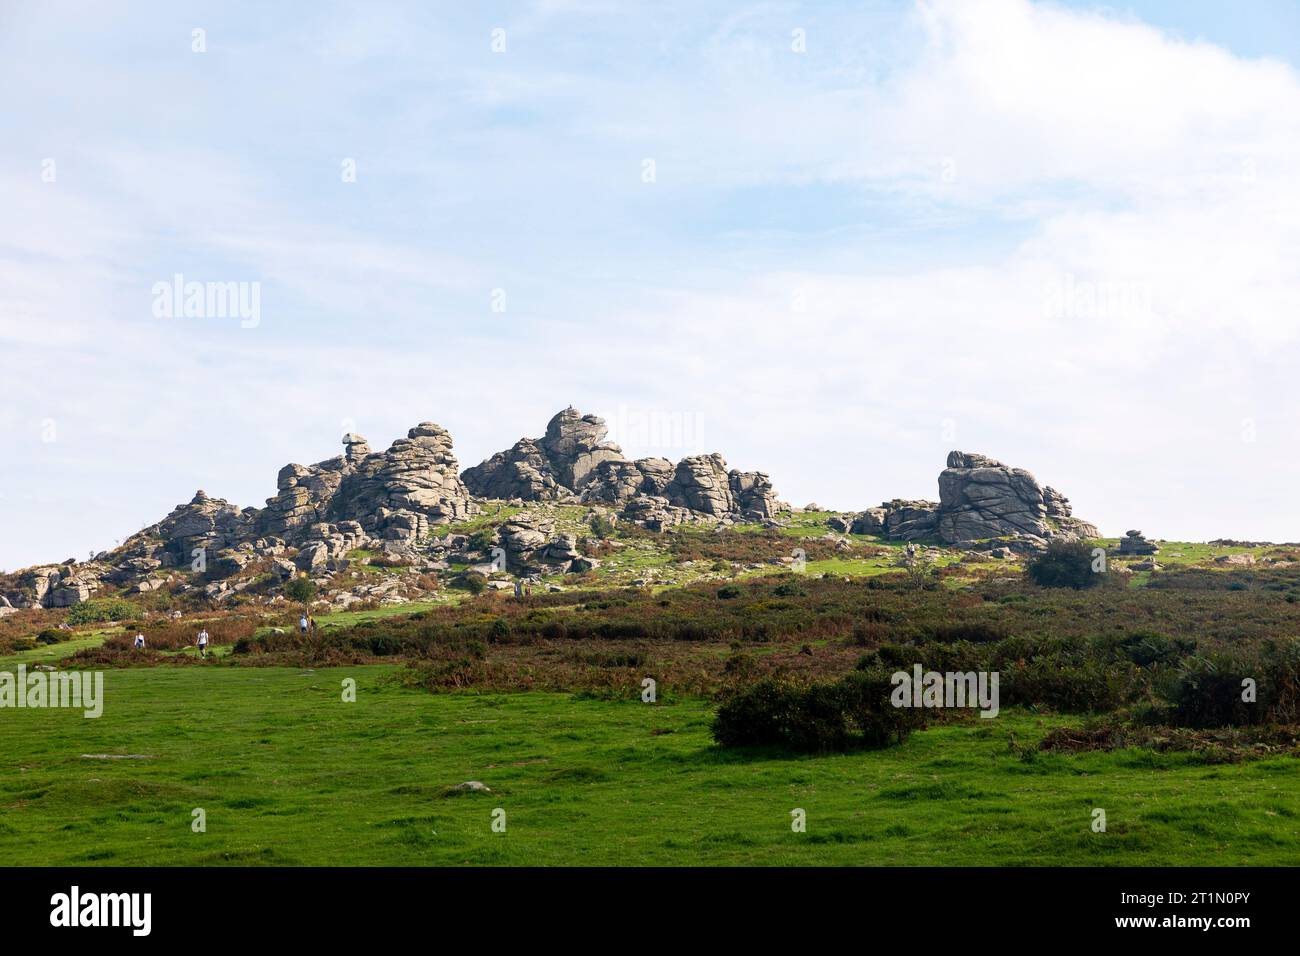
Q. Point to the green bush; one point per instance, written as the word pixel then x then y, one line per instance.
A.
pixel 974 631
pixel 1089 687
pixel 101 609
pixel 482 539
pixel 1207 692
pixel 1146 648
pixel 601 526
pixel 473 583
pixel 300 589
pixel 854 713
pixel 729 591
pixel 1064 564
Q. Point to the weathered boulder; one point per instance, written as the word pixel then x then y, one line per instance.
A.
pixel 389 493
pixel 573 458
pixel 554 467
pixel 753 494
pixel 312 558
pixel 657 513
pixel 1240 560
pixel 521 472
pixel 523 537
pixel 574 444
pixel 618 482
pixel 841 523
pixel 871 521
pixel 202 527
pixel 1133 542
pixel 701 483
pixel 911 520
pixel 61 585
pixel 980 498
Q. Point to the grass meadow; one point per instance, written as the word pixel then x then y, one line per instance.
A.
pixel 288 773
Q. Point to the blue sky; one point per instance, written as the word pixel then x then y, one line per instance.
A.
pixel 851 257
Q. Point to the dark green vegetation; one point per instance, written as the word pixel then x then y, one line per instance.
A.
pixel 1065 564
pixel 853 713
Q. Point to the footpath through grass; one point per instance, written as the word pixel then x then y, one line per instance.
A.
pixel 290 774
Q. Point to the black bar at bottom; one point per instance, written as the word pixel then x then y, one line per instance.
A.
pixel 330 905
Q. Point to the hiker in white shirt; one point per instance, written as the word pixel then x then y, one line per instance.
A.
pixel 203 642
pixel 302 624
pixel 139 642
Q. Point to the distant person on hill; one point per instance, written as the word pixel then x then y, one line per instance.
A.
pixel 519 588
pixel 203 642
pixel 303 623
pixel 139 641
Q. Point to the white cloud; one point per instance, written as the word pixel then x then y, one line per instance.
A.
pixel 1114 294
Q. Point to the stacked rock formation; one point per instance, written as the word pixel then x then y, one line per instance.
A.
pixel 387 500
pixel 395 500
pixel 56 585
pixel 899 520
pixel 982 498
pixel 979 498
pixel 574 462
pixel 551 468
pixel 395 495
pixel 1134 543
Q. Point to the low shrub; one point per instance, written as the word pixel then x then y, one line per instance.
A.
pixel 853 713
pixel 1065 564
pixel 101 609
pixel 300 589
pixel 1236 689
pixel 1089 687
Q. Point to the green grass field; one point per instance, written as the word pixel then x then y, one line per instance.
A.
pixel 288 773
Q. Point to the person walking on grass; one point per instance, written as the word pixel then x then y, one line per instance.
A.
pixel 203 642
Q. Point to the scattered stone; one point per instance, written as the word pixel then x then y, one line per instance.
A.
pixel 472 786
pixel 839 523
pixel 118 756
